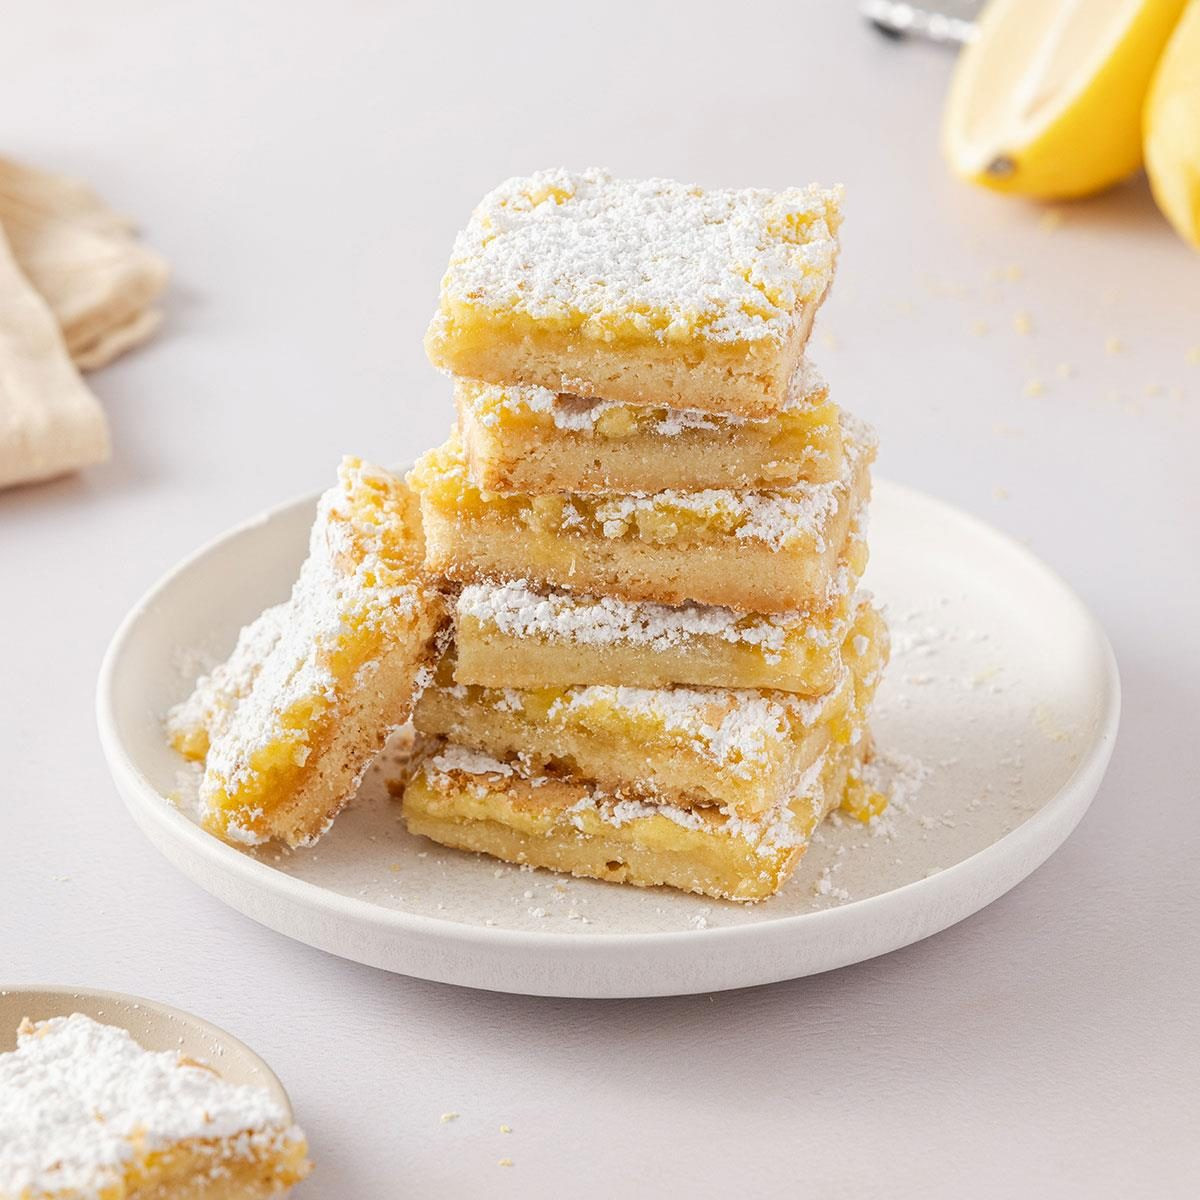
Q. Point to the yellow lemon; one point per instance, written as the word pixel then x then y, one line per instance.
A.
pixel 1047 101
pixel 1172 124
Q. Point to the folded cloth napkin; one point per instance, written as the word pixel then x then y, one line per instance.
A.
pixel 99 281
pixel 50 422
pixel 76 290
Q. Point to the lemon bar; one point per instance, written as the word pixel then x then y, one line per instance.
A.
pixel 520 438
pixel 290 723
pixel 87 1112
pixel 514 635
pixel 739 748
pixel 773 551
pixel 639 291
pixel 466 800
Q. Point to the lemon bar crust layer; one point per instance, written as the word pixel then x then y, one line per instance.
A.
pixel 289 725
pixel 469 801
pixel 645 292
pixel 513 635
pixel 529 439
pixel 773 551
pixel 89 1112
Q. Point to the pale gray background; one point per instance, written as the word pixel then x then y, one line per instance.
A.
pixel 305 167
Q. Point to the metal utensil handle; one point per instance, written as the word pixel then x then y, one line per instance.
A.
pixel 905 20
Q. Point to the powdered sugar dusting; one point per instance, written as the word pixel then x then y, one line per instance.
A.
pixel 517 609
pixel 670 260
pixel 211 705
pixel 897 776
pixel 77 1097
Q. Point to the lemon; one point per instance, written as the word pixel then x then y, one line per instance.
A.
pixel 1047 101
pixel 1172 124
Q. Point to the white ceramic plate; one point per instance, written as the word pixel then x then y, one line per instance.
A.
pixel 155 1026
pixel 1001 684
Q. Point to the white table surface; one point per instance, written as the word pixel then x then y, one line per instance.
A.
pixel 305 168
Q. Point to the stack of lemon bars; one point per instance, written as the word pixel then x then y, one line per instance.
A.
pixel 647 528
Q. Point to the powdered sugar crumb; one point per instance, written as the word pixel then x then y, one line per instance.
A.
pixel 454 757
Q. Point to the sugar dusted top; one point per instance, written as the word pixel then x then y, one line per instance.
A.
pixel 77 1098
pixel 518 609
pixel 651 258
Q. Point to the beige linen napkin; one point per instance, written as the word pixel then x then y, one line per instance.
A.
pixel 98 280
pixel 50 422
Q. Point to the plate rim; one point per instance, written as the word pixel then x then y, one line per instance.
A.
pixel 271 1081
pixel 148 806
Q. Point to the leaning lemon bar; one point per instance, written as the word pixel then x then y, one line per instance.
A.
pixel 313 689
pixel 519 438
pixel 770 551
pixel 85 1112
pixel 741 749
pixel 638 291
pixel 515 635
pixel 470 801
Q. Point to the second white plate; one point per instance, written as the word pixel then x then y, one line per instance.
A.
pixel 998 716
